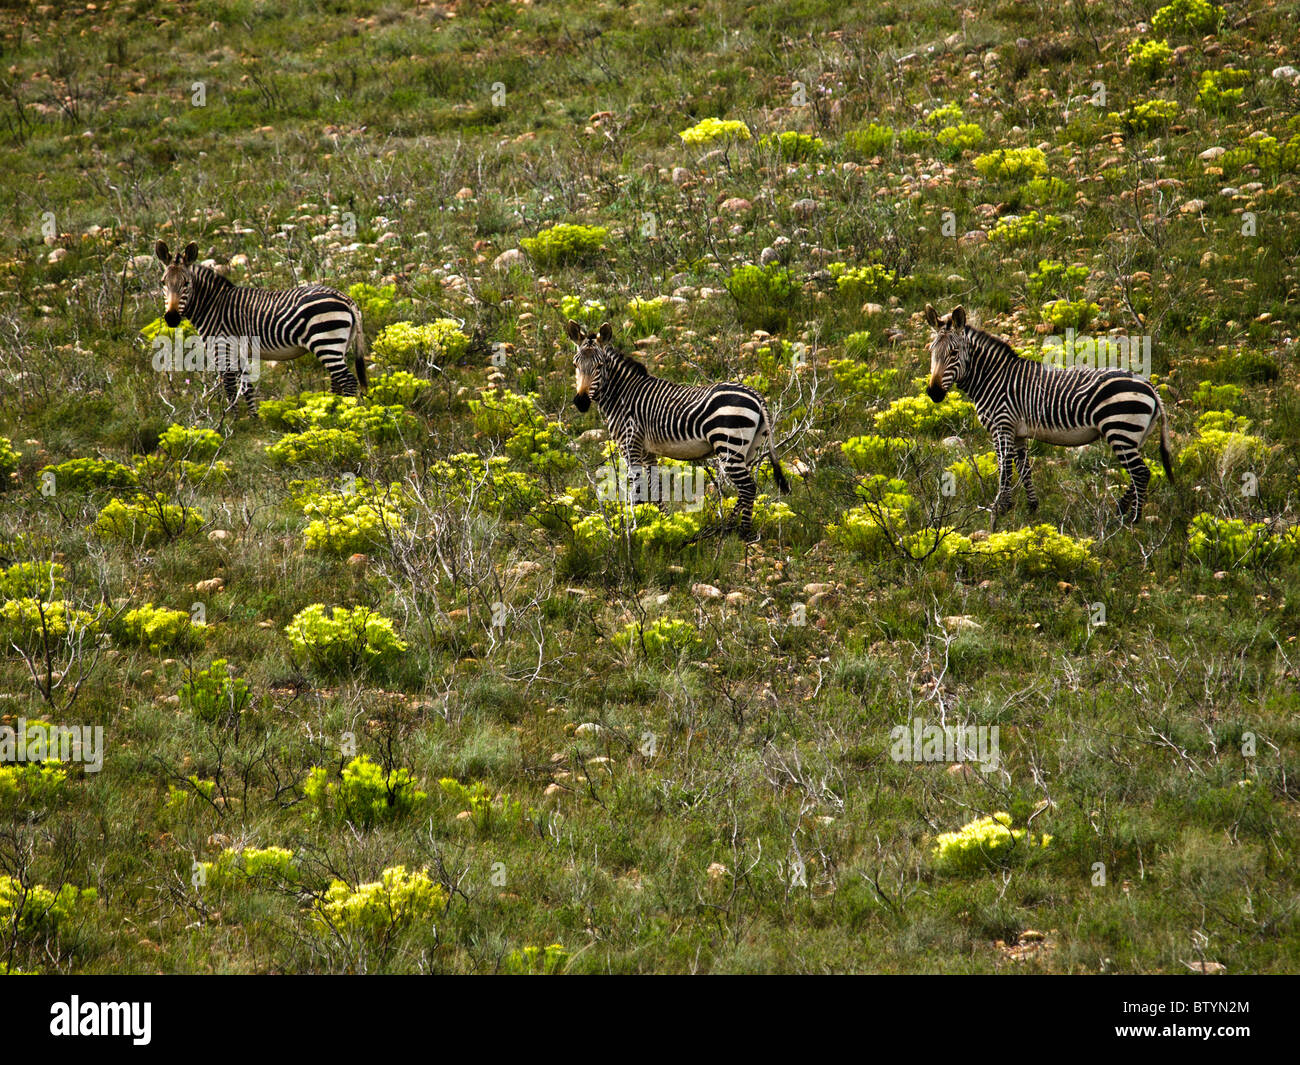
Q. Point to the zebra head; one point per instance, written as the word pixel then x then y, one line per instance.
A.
pixel 177 281
pixel 949 351
pixel 587 361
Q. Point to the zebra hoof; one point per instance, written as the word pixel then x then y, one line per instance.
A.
pixel 747 534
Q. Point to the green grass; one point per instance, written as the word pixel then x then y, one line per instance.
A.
pixel 727 802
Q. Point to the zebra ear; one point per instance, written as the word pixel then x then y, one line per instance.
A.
pixel 575 331
pixel 958 317
pixel 606 333
pixel 931 315
pixel 191 252
pixel 160 250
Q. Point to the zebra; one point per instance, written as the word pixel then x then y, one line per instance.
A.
pixel 650 418
pixel 1017 399
pixel 284 323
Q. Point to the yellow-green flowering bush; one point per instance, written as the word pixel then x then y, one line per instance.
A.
pixel 1054 276
pixel 874 452
pixel 1016 165
pixel 648 316
pixel 1143 116
pixel 860 379
pixel 466 480
pixel 398 388
pixel 365 793
pixel 23 579
pixel 406 346
pixel 233 867
pixel 877 524
pixel 794 147
pixel 590 312
pixel 363 519
pixel 764 295
pixel 214 694
pixel 858 283
pixel 1035 551
pixel 975 471
pixel 711 129
pixel 198 445
pixel 331 447
pixel 37 909
pixel 1221 446
pixel 27 620
pixel 1064 313
pixel 79 475
pixel 911 415
pixel 983 844
pixel 373 300
pixel 8 461
pixel 1150 58
pixel 1217 88
pixel 873 139
pixel 565 243
pixel 959 138
pixel 536 961
pixel 343 640
pixel 146 520
pixel 154 627
pixel 1017 230
pixel 1188 17
pixel 1208 394
pixel 483 806
pixel 383 908
pixel 373 420
pixel 663 640
pixel 1227 543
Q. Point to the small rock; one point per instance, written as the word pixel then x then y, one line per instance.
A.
pixel 1193 207
pixel 736 204
pixel 962 622
pixel 220 536
pixel 510 259
pixel 588 728
pixel 975 236
pixel 1287 72
pixel 57 255
pixel 716 871
pixel 358 560
pixel 804 208
pixel 768 256
pixel 1211 154
pixel 208 587
pixel 706 591
pixel 681 176
pixel 465 194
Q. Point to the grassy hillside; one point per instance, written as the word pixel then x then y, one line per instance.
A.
pixel 555 738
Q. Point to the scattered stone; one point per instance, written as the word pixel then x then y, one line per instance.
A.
pixel 681 176
pixel 804 208
pixel 768 256
pixel 588 728
pixel 1193 207
pixel 1211 154
pixel 716 871
pixel 508 260
pixel 736 205
pixel 210 586
pixel 962 622
pixel 1288 73
pixel 975 236
pixel 57 255
pixel 706 591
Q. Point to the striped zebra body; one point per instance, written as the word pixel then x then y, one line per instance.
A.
pixel 284 323
pixel 653 418
pixel 1018 400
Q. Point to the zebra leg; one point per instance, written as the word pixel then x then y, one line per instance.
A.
pixel 230 385
pixel 1003 445
pixel 249 391
pixel 1026 475
pixel 1132 501
pixel 746 491
pixel 343 382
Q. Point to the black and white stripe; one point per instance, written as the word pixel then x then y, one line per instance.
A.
pixel 285 323
pixel 650 418
pixel 1018 399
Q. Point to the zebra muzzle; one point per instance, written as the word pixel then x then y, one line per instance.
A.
pixel 582 402
pixel 936 392
pixel 172 318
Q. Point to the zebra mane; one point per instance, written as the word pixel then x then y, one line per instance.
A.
pixel 211 276
pixel 636 366
pixel 990 343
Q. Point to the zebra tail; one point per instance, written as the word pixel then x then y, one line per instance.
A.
pixel 777 472
pixel 362 350
pixel 1166 459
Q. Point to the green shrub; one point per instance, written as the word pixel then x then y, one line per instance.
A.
pixel 481 804
pixel 1053 276
pixel 861 379
pixel 373 300
pixel 29 620
pixel 1220 449
pixel 343 640
pixel 912 415
pixel 215 694
pixel 663 640
pixel 1043 191
pixel 1208 394
pixel 872 140
pixel 944 114
pixel 1150 58
pixel 860 283
pixel 536 961
pixel 379 910
pixel 1016 165
pixel 1218 88
pixel 1064 313
pixel 365 794
pixel 466 480
pixel 648 316
pixel 1143 116
pixel 1034 551
pixel 872 452
pixel 711 129
pixel 79 475
pixel 238 867
pixel 155 628
pixel 975 471
pixel 38 910
pixel 1187 17
pixel 25 579
pixel 31 784
pixel 1228 543
pixel 957 139
pixel 984 844
pixel 332 447
pixel 8 461
pixel 363 519
pixel 146 520
pixel 198 445
pixel 793 147
pixel 765 296
pixel 398 388
pixel 590 312
pixel 877 524
pixel 564 244
pixel 1017 230
pixel 430 347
